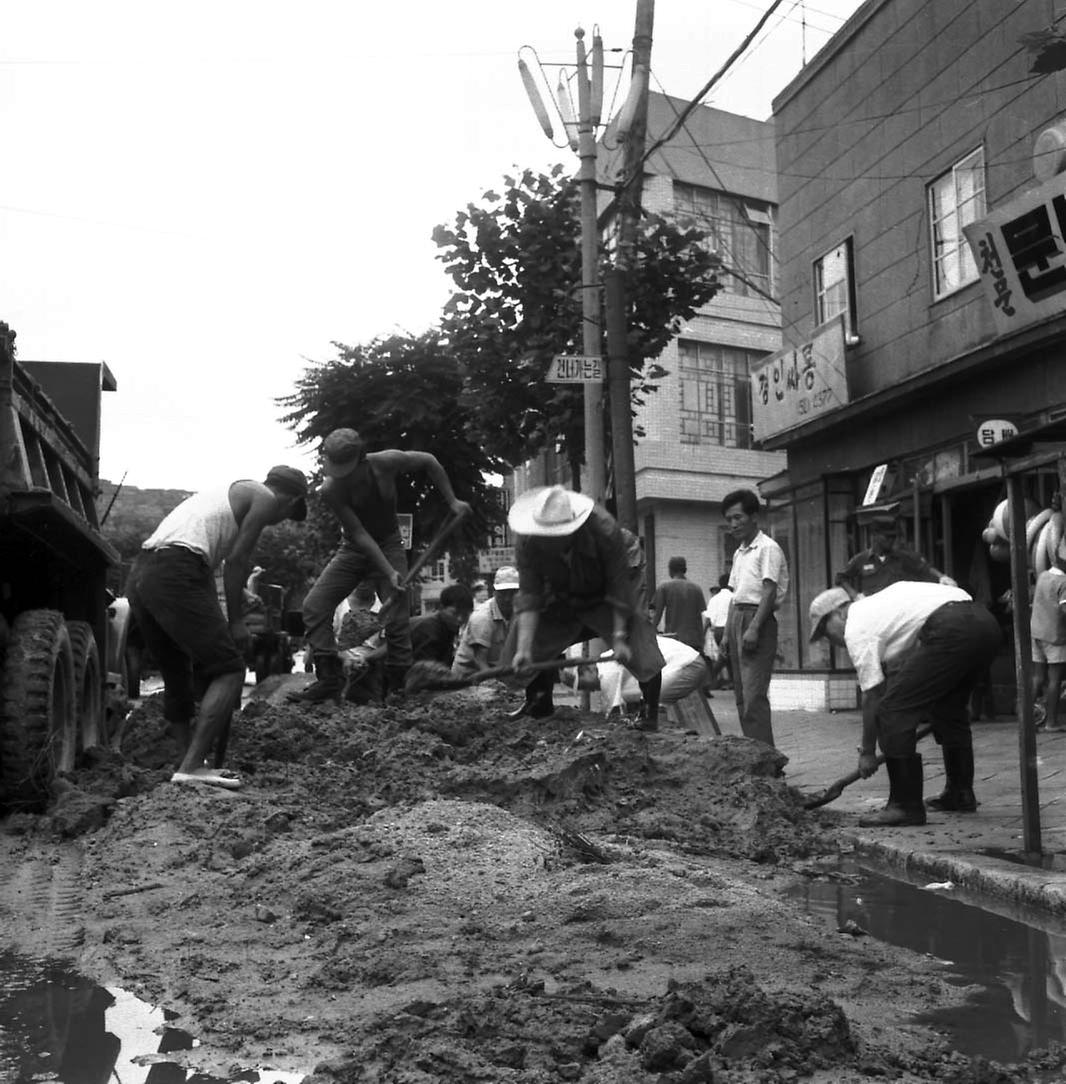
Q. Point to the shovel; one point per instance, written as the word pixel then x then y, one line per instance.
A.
pixel 434 675
pixel 834 790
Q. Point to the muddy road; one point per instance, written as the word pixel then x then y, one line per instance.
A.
pixel 432 892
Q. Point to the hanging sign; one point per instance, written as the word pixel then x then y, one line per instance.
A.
pixel 575 369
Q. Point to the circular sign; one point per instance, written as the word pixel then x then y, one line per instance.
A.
pixel 994 431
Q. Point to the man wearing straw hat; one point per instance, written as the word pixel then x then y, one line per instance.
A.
pixel 575 584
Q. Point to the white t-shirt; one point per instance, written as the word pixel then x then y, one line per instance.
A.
pixel 883 626
pixel 718 608
pixel 683 673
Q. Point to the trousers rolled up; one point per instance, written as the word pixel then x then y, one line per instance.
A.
pixel 956 644
pixel 347 568
pixel 752 671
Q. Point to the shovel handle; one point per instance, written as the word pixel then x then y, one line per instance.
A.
pixel 546 664
pixel 431 550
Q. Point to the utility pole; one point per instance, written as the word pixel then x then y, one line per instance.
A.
pixel 588 118
pixel 634 117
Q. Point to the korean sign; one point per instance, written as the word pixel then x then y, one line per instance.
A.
pixel 995 430
pixel 796 385
pixel 406 522
pixel 1020 249
pixel 575 369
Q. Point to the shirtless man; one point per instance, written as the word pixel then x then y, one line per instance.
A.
pixel 360 488
pixel 173 598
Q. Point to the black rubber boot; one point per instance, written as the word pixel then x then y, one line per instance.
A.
pixel 649 712
pixel 906 806
pixel 957 795
pixel 395 678
pixel 538 703
pixel 329 672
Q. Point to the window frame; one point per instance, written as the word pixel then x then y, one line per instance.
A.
pixel 819 293
pixel 968 270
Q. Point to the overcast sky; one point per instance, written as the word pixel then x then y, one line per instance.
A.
pixel 206 195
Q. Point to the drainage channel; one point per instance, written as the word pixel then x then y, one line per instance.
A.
pixel 60 1027
pixel 1016 964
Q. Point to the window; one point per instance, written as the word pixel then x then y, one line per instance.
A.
pixel 715 393
pixel 955 200
pixel 738 230
pixel 834 287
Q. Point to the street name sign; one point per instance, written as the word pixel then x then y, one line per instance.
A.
pixel 575 369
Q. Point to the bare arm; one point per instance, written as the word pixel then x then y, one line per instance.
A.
pixel 765 610
pixel 397 462
pixel 259 514
pixel 871 702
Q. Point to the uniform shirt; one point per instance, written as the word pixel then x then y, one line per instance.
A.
pixel 1048 622
pixel 883 627
pixel 487 628
pixel 680 602
pixel 869 572
pixel 596 569
pixel 761 559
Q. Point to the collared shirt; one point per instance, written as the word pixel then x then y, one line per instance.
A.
pixel 883 627
pixel 761 559
pixel 595 569
pixel 486 629
pixel 870 572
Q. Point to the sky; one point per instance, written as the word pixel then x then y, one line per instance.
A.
pixel 207 196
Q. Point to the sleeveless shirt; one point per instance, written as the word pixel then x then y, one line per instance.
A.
pixel 203 523
pixel 378 513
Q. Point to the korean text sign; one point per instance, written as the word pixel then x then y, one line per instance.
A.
pixel 1020 250
pixel 794 386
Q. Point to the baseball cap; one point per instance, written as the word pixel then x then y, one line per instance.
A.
pixel 822 605
pixel 506 579
pixel 341 451
pixel 293 482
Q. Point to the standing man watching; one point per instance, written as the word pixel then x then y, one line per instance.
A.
pixel 360 488
pixel 932 642
pixel 682 603
pixel 759 582
pixel 481 641
pixel 576 583
pixel 886 562
pixel 174 600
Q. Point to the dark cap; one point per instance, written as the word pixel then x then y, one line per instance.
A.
pixel 341 451
pixel 292 483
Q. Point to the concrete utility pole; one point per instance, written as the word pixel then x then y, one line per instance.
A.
pixel 595 467
pixel 635 117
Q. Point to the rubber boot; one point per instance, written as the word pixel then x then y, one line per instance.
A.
pixel 905 781
pixel 957 795
pixel 649 712
pixel 395 678
pixel 538 703
pixel 329 672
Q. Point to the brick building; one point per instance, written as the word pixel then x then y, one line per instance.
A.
pixel 914 125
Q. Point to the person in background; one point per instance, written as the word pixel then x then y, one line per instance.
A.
pixel 681 603
pixel 433 636
pixel 759 582
pixel 174 600
pixel 715 619
pixel 577 581
pixel 480 591
pixel 483 636
pixel 917 649
pixel 362 646
pixel 885 561
pixel 1048 632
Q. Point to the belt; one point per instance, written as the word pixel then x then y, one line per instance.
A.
pixel 745 605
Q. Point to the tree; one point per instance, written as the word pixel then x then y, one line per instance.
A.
pixel 401 392
pixel 516 263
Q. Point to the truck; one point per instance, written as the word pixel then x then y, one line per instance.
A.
pixel 57 694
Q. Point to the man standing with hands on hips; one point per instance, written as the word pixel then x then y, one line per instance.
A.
pixel 759 582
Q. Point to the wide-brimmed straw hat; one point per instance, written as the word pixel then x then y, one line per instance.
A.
pixel 550 511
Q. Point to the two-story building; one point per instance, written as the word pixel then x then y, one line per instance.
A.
pixel 922 284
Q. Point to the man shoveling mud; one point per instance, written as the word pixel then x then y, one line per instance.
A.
pixel 360 488
pixel 918 648
pixel 173 598
pixel 575 584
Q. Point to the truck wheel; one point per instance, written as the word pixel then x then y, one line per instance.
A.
pixel 88 685
pixel 39 736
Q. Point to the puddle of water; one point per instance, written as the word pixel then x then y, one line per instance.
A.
pixel 57 1026
pixel 1020 970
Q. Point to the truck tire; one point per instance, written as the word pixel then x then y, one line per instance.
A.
pixel 39 736
pixel 88 686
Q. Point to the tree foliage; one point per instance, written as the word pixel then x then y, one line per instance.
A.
pixel 516 264
pixel 400 392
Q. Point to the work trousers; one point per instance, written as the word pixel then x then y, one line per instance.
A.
pixel 752 671
pixel 346 570
pixel 956 643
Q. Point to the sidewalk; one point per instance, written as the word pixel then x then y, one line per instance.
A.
pixel 821 748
